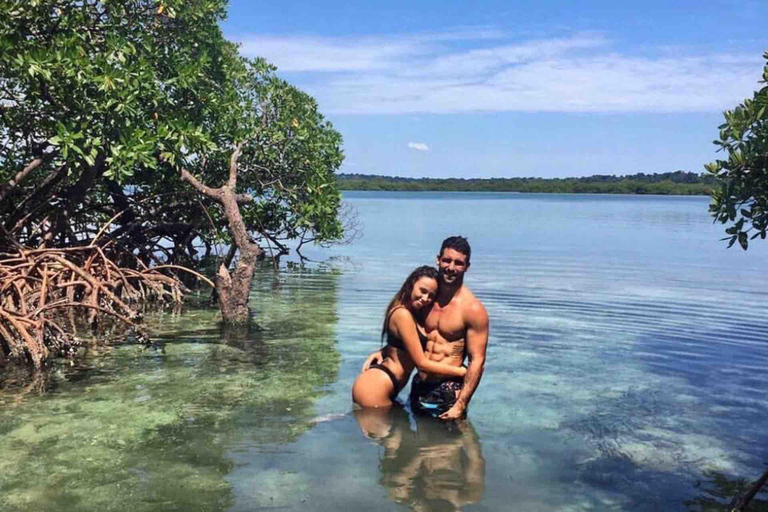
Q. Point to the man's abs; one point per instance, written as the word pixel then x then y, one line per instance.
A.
pixel 442 351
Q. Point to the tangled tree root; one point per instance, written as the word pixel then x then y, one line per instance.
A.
pixel 48 295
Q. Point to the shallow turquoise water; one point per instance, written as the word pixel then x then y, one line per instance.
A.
pixel 626 371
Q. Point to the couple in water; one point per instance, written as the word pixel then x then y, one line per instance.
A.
pixel 432 324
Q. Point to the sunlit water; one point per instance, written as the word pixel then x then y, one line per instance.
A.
pixel 626 371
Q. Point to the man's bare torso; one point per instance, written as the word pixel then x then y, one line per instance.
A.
pixel 446 329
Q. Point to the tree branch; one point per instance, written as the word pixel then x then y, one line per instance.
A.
pixel 213 193
pixel 232 181
pixel 20 176
pixel 740 503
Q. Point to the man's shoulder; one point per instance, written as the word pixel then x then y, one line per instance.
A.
pixel 468 299
pixel 472 306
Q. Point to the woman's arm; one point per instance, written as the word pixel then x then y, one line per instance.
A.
pixel 402 321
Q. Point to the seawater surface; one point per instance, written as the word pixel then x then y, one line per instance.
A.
pixel 626 371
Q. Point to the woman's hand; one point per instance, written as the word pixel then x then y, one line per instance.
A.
pixel 375 358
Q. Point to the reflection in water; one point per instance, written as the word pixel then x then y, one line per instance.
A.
pixel 439 466
pixel 153 429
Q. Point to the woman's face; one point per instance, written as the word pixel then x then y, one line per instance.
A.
pixel 423 293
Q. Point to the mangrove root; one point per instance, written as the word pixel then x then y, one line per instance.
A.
pixel 44 291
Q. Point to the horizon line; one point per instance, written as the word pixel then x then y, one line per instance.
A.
pixel 700 174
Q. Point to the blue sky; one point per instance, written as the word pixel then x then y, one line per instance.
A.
pixel 503 89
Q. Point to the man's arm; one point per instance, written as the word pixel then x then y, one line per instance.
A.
pixel 477 343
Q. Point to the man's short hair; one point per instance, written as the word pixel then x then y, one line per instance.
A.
pixel 457 243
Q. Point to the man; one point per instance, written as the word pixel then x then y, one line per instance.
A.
pixel 457 327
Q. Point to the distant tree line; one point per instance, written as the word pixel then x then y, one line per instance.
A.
pixel 668 183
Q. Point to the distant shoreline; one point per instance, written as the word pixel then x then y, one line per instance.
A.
pixel 670 183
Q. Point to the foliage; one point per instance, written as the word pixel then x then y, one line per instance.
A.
pixel 90 90
pixel 286 168
pixel 742 199
pixel 677 183
pixel 101 103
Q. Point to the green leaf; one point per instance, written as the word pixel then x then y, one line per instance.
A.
pixel 743 240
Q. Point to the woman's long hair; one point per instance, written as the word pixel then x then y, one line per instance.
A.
pixel 402 297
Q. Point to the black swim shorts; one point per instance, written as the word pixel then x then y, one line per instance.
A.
pixel 434 397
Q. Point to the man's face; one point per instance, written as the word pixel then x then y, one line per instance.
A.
pixel 452 264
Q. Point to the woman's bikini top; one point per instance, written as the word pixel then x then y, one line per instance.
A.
pixel 397 342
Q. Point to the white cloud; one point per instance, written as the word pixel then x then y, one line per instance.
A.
pixel 327 55
pixel 418 146
pixel 478 70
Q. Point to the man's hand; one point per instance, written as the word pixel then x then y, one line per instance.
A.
pixel 375 358
pixel 454 413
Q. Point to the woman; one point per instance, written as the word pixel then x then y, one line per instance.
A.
pixel 377 386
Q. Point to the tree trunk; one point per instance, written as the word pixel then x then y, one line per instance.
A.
pixel 233 288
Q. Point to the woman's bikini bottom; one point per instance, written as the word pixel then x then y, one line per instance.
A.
pixel 391 376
